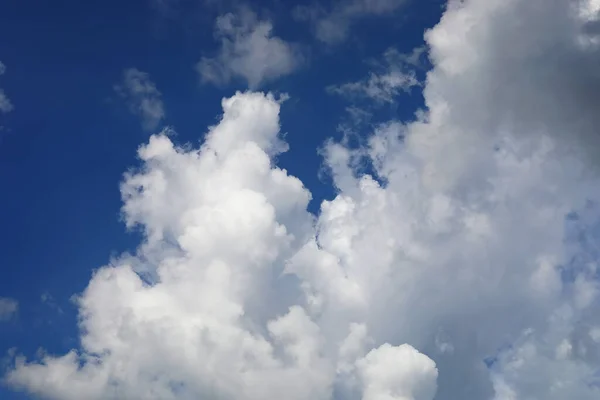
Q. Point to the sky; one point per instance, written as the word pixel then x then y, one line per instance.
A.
pixel 336 200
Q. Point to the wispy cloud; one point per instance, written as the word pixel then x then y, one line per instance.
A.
pixel 390 77
pixel 332 25
pixel 5 103
pixel 143 98
pixel 49 300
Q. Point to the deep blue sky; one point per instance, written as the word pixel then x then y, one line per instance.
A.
pixel 70 138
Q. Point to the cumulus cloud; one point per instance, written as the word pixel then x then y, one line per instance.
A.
pixel 8 308
pixel 248 51
pixel 464 267
pixel 332 26
pixel 143 98
pixel 394 75
pixel 5 103
pixel 221 225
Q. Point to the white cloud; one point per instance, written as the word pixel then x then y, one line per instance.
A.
pixel 143 98
pixel 5 103
pixel 397 373
pixel 395 75
pixel 8 308
pixel 479 246
pixel 220 223
pixel 249 51
pixel 332 26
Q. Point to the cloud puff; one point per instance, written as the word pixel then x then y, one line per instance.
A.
pixel 143 98
pixel 5 103
pixel 249 51
pixel 464 267
pixel 8 308
pixel 396 74
pixel 397 373
pixel 332 26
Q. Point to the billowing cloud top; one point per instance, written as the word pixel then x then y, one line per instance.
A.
pixel 463 268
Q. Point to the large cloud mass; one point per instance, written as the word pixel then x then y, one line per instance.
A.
pixel 464 268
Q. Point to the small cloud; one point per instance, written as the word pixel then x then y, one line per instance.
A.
pixel 5 103
pixel 395 75
pixel 8 308
pixel 248 50
pixel 49 300
pixel 143 98
pixel 332 26
pixel 416 57
pixel 354 119
pixel 358 115
pixel 163 5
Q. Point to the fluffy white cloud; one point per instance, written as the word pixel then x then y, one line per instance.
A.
pixel 5 103
pixel 143 98
pixel 220 318
pixel 395 75
pixel 332 25
pixel 397 373
pixel 8 308
pixel 474 241
pixel 249 51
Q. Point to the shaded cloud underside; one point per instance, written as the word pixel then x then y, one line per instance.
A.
pixel 480 246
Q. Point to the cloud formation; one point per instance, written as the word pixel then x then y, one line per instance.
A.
pixel 465 267
pixel 143 98
pixel 394 75
pixel 332 26
pixel 8 308
pixel 222 225
pixel 5 103
pixel 248 50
